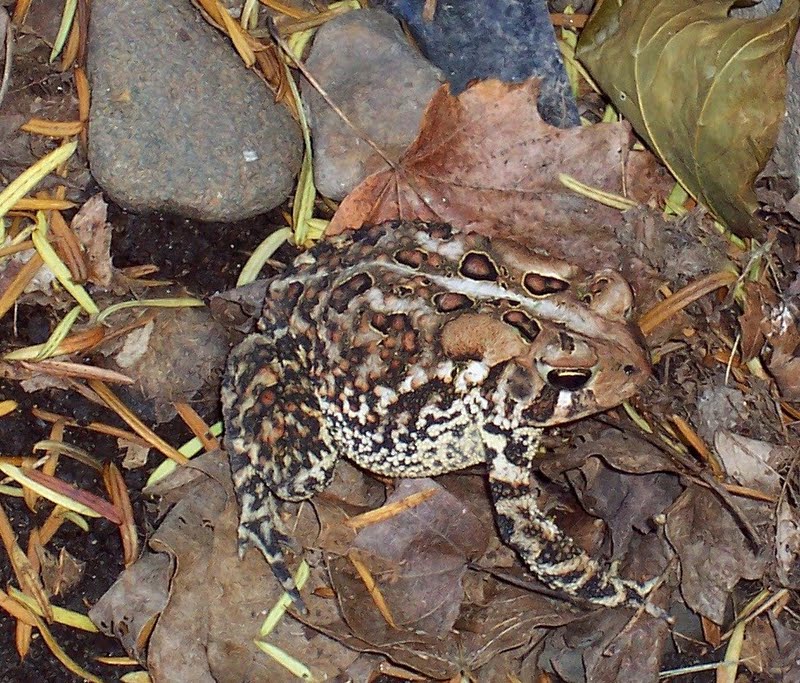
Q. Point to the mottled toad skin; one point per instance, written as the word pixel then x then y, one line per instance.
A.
pixel 414 350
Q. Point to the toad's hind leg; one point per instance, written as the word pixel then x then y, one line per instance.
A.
pixel 277 443
pixel 552 556
pixel 260 524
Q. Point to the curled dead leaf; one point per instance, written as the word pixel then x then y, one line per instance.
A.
pixel 705 90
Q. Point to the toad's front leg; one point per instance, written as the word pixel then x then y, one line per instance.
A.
pixel 552 556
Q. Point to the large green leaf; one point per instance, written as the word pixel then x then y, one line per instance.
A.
pixel 705 90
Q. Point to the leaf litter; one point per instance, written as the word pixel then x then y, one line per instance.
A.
pixel 429 586
pixel 693 81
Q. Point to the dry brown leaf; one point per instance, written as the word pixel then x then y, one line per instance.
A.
pixel 135 454
pixel 788 640
pixel 759 649
pixel 603 647
pixel 784 366
pixel 626 502
pixel 497 618
pixel 171 357
pixel 751 462
pixel 715 560
pixel 759 299
pixel 787 543
pixel 60 573
pixel 418 558
pixel 217 602
pixel 622 450
pixel 130 608
pixel 486 161
pixel 768 317
pixel 94 233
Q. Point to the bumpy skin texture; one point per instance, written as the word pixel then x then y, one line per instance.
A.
pixel 414 350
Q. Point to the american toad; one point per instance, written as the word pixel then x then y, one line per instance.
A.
pixel 414 350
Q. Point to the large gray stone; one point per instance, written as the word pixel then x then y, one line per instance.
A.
pixel 177 123
pixel 364 62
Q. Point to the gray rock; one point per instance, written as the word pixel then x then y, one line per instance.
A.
pixel 177 123
pixel 364 62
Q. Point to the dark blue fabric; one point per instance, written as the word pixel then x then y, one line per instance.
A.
pixel 507 39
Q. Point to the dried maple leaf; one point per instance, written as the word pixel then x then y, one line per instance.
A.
pixel 486 161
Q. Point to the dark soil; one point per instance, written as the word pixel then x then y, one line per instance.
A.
pixel 205 258
pixel 100 549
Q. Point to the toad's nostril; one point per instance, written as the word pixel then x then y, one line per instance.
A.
pixel 570 379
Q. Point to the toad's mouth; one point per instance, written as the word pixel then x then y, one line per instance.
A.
pixel 568 379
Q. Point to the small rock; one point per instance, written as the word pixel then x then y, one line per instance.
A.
pixel 177 123
pixel 366 65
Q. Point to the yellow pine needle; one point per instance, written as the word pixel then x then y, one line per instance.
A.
pixel 372 588
pixel 135 423
pixel 218 14
pixel 239 39
pixel 726 672
pixel 117 661
pixel 303 207
pixel 52 129
pixel 665 309
pixel 291 664
pixel 60 615
pixel 59 334
pixel 57 267
pixel 18 284
pixel 391 510
pixel 27 576
pixel 29 178
pixel 249 17
pixel 279 609
pixel 17 611
pixel 189 449
pixel 67 17
pixel 7 406
pixel 674 204
pixel 19 476
pixel 43 204
pixel 62 656
pixel 262 253
pixel 615 201
pixel 175 302
pixel 136 677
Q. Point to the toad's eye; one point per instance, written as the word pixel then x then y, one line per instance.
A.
pixel 570 379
